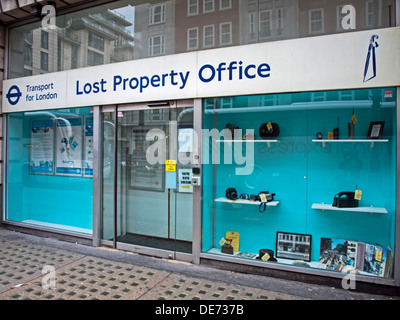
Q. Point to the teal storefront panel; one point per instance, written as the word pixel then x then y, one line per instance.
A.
pixel 36 193
pixel 303 172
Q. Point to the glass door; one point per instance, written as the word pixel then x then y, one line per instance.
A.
pixel 150 187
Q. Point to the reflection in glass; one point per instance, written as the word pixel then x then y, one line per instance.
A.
pixel 124 30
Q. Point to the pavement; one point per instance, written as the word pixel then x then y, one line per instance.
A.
pixel 27 264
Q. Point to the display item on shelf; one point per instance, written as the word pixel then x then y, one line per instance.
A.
pixel 269 130
pixel 345 200
pixel 266 255
pixel 231 193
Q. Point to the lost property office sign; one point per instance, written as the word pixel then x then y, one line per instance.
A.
pixel 281 66
pixel 163 78
pixel 179 79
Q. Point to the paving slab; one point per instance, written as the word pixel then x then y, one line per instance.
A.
pixel 98 273
pixel 91 279
pixel 181 287
pixel 22 262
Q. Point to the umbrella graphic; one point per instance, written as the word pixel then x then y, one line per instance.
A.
pixel 370 62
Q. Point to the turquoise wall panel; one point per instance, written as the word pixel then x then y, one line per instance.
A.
pixel 62 200
pixel 301 172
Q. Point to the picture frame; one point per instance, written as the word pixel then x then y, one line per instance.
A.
pixel 375 130
pixel 294 246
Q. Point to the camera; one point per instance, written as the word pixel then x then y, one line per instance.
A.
pixel 231 193
pixel 268 196
pixel 254 197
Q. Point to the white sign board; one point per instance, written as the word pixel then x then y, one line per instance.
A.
pixel 185 180
pixel 339 61
pixel 42 146
pixel 69 146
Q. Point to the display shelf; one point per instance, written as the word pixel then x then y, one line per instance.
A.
pixel 268 142
pixel 371 209
pixel 286 262
pixel 58 226
pixel 242 201
pixel 371 141
pixel 312 264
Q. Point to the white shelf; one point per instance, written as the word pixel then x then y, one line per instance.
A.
pixel 282 261
pixel 268 142
pixel 247 141
pixel 371 141
pixel 242 201
pixel 371 209
pixel 58 226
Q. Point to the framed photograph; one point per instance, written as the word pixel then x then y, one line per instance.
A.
pixel 295 246
pixel 335 252
pixel 375 130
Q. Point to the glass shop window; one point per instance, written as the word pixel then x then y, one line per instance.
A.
pixel 50 169
pixel 150 28
pixel 298 180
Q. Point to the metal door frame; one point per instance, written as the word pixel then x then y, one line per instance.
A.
pixel 97 179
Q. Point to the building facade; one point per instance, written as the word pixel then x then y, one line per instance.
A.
pixel 258 135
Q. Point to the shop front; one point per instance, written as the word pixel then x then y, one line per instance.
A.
pixel 276 155
pixel 296 180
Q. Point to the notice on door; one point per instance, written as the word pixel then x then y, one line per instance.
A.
pixel 185 180
pixel 170 165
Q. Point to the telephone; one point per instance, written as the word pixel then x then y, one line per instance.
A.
pixel 345 200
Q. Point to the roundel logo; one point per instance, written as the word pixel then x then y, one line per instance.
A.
pixel 13 95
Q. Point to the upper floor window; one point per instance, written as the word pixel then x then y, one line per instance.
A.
pixel 252 26
pixel 94 58
pixel 44 61
pixel 347 95
pixel 225 4
pixel 157 45
pixel 208 36
pixel 279 21
pixel 208 6
pixel 192 7
pixel 44 39
pixel 318 96
pixel 225 33
pixel 28 55
pixel 193 38
pixel 316 21
pixel 96 42
pixel 157 14
pixel 226 103
pixel 74 56
pixel 265 23
pixel 373 13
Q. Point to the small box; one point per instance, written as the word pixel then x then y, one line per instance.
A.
pixel 227 248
